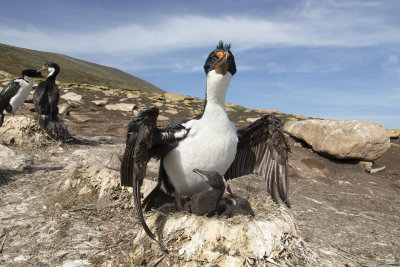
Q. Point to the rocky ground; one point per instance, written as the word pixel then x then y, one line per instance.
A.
pixel 56 209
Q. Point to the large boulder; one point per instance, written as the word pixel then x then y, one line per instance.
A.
pixel 11 160
pixel 351 139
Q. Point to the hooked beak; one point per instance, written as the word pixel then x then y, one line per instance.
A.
pixel 44 67
pixel 221 66
pixel 201 174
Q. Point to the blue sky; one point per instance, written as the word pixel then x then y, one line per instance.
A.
pixel 320 58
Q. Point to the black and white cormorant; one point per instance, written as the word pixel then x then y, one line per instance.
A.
pixel 47 95
pixel 207 142
pixel 14 94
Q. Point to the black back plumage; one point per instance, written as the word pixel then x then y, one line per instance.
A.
pixel 10 90
pixel 47 96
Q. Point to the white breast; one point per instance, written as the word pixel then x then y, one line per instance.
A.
pixel 23 92
pixel 211 145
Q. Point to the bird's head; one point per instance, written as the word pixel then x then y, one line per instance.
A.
pixel 51 67
pixel 221 60
pixel 31 73
pixel 213 178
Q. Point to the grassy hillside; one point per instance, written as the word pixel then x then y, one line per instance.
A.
pixel 15 59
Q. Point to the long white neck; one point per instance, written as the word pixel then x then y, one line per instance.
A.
pixel 30 80
pixel 51 70
pixel 217 86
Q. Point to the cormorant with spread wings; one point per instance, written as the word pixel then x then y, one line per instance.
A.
pixel 208 142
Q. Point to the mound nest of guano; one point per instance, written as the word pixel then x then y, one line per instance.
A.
pixel 271 237
pixel 24 131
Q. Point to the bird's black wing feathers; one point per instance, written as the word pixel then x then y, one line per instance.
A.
pixel 263 149
pixel 7 93
pixel 145 141
pixel 54 97
pixel 41 105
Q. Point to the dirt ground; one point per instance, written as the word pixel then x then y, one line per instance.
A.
pixel 346 215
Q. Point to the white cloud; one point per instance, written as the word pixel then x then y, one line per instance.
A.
pixel 311 25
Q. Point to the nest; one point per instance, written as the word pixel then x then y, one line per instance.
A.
pixel 24 131
pixel 269 237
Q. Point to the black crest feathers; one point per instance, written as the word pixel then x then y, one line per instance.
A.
pixel 222 46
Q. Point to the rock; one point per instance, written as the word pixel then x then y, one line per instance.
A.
pixel 100 103
pixel 84 190
pixel 80 117
pixel 109 182
pixel 350 139
pixel 394 133
pixel 158 104
pixel 172 111
pixel 111 93
pixel 131 95
pixel 366 165
pixel 302 169
pixel 71 96
pixel 251 120
pixel 97 156
pixel 121 107
pixel 114 163
pixel 376 167
pixel 63 109
pixel 372 167
pixel 301 117
pixel 147 187
pixel 268 111
pixel 190 98
pixel 169 97
pixel 162 118
pixel 5 74
pixel 10 160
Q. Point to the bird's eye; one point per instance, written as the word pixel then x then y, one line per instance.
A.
pixel 220 54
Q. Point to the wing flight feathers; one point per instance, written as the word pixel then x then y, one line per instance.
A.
pixel 263 149
pixel 146 141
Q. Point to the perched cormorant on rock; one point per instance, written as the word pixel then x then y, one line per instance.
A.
pixel 14 94
pixel 47 95
pixel 208 142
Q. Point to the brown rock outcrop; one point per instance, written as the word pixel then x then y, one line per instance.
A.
pixel 351 139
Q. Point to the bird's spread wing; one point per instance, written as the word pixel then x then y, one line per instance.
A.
pixel 7 93
pixel 145 141
pixel 263 149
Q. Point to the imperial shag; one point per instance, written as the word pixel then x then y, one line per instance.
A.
pixel 14 94
pixel 208 142
pixel 47 95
